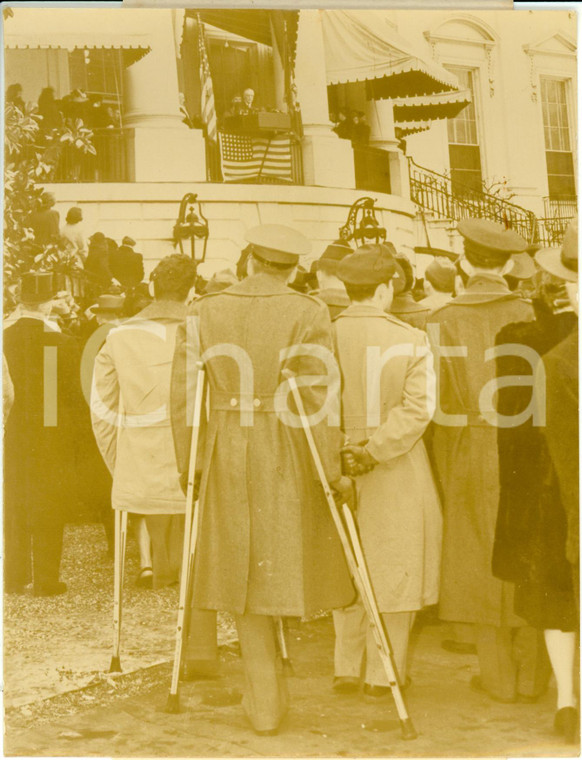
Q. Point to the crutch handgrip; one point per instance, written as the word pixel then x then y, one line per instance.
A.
pixel 356 565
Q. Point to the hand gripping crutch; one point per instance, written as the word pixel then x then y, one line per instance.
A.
pixel 357 568
pixel 118 577
pixel 189 548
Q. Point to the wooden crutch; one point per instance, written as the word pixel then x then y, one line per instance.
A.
pixel 284 652
pixel 118 577
pixel 357 570
pixel 189 548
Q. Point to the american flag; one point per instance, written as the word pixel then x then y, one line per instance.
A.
pixel 206 92
pixel 246 157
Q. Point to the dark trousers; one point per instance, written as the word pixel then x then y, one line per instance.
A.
pixel 33 546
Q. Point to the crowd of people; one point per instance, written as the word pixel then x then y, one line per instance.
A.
pixel 352 125
pixel 54 113
pixel 444 413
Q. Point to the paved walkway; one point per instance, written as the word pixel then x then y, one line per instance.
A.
pixel 451 719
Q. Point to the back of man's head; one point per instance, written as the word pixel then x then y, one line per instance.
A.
pixel 173 277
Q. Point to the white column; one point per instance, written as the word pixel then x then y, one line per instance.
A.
pixel 327 159
pixel 380 115
pixel 165 149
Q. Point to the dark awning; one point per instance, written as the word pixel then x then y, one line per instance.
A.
pixel 362 46
pixel 253 24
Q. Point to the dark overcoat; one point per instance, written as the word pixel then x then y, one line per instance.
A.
pixel 466 452
pixel 530 538
pixel 561 365
pixel 267 544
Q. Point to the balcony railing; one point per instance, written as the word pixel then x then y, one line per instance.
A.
pixel 110 164
pixel 560 207
pixel 435 192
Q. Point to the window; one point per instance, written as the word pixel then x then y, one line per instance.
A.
pixel 464 151
pixel 559 156
pixel 98 72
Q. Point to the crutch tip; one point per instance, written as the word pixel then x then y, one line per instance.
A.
pixel 408 730
pixel 115 666
pixel 288 668
pixel 173 704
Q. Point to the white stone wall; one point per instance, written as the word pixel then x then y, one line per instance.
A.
pixel 148 212
pixel 509 52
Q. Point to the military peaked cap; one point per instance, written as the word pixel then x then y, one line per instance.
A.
pixel 278 244
pixel 489 244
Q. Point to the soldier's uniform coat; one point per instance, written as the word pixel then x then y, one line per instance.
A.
pixel 398 513
pixel 267 544
pixel 467 455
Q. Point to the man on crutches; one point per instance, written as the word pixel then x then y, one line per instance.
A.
pixel 266 544
pixel 388 396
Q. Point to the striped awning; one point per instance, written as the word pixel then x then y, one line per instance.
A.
pixel 444 105
pixel 363 46
pixel 72 29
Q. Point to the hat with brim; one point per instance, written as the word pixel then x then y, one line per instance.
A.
pixel 108 304
pixel 278 244
pixel 562 262
pixel 331 257
pixel 128 241
pixel 37 287
pixel 523 267
pixel 488 244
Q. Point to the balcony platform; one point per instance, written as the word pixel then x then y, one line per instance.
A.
pixel 148 211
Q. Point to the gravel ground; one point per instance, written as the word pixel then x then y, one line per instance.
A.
pixel 58 644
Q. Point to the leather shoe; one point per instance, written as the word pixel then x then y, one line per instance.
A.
pixel 567 724
pixel 477 686
pixel 346 684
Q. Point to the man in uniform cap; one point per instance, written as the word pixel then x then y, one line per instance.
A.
pixel 267 546
pixel 332 291
pixel 40 440
pixel 439 283
pixel 466 454
pixel 398 511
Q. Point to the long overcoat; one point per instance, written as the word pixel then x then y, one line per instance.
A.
pixel 465 450
pixel 130 410
pixel 267 544
pixel 398 510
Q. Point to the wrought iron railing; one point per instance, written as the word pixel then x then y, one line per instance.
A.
pixel 560 207
pixel 435 192
pixel 109 164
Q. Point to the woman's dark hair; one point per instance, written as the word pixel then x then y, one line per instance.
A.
pixel 13 91
pixel 360 292
pixel 74 215
pixel 173 277
pixel 46 97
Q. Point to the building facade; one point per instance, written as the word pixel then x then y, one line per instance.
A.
pixel 507 82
